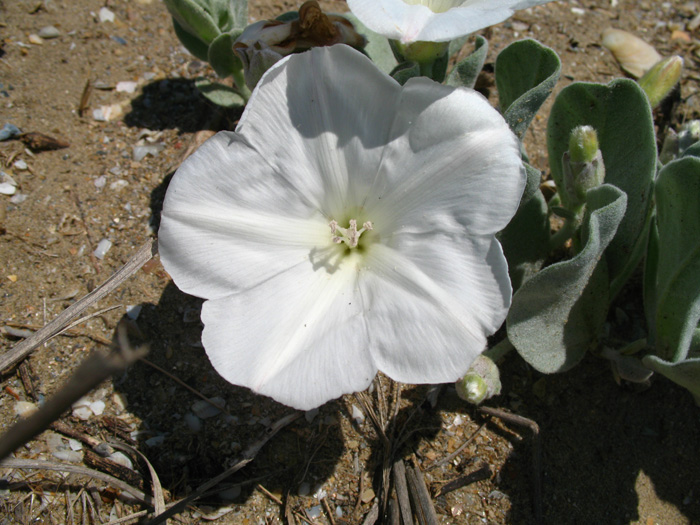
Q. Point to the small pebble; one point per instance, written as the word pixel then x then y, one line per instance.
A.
pixel 311 414
pixel 633 54
pixel 119 400
pixel 122 459
pixel 205 410
pixel 24 408
pixel 357 415
pixel 314 512
pixel 304 489
pixel 7 189
pixel 18 198
pixel 49 32
pixel 97 407
pixel 694 23
pixel 102 248
pixel 367 496
pixel 682 36
pixel 68 455
pixel 118 185
pixel 133 311
pixel 193 422
pixel 100 182
pixel 107 113
pixel 230 494
pixel 20 165
pixel 155 441
pixel 82 412
pixel 106 15
pixel 8 186
pixel 140 152
pixel 578 11
pixel 35 39
pixel 75 445
pixel 126 86
pixel 9 131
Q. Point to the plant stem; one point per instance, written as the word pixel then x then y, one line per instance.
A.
pixel 565 233
pixel 499 351
pixel 239 84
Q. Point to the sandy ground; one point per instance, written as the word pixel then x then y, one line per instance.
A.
pixel 611 454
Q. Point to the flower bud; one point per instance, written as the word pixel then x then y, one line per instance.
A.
pixel 658 82
pixel 482 381
pixel 582 165
pixel 688 135
pixel 421 52
pixel 268 41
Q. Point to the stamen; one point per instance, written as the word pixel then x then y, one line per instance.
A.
pixel 349 235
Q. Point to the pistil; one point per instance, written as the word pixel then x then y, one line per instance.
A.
pixel 349 235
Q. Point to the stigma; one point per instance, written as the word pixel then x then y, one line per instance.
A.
pixel 350 235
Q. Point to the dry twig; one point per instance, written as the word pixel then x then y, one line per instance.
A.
pixel 464 445
pixel 482 473
pixel 536 452
pixel 89 374
pixel 75 469
pixel 24 348
pixel 247 456
pixel 421 497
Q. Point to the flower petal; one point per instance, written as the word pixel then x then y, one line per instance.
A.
pixel 414 22
pixel 300 337
pixel 457 150
pixel 322 120
pixel 221 228
pixel 431 302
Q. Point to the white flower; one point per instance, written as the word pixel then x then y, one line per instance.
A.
pixel 433 20
pixel 346 226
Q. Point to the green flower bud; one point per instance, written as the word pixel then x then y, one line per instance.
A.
pixel 482 381
pixel 583 144
pixel 688 135
pixel 421 52
pixel 582 165
pixel 658 82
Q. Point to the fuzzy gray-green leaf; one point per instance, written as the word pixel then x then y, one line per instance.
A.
pixel 678 269
pixel 526 72
pixel 219 94
pixel 685 373
pixel 620 114
pixel 221 56
pixel 377 48
pixel 467 70
pixel 556 315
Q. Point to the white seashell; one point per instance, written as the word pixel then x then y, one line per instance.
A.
pixel 633 54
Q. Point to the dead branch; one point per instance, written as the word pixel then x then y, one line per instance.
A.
pixel 24 348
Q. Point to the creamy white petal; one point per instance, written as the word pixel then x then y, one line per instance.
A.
pixel 300 337
pixel 457 167
pixel 322 120
pixel 230 222
pixel 416 21
pixel 431 302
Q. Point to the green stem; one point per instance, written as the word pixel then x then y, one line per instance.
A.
pixel 565 233
pixel 497 352
pixel 426 69
pixel 634 347
pixel 638 251
pixel 239 84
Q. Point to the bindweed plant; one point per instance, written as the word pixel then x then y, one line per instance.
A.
pixel 372 212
